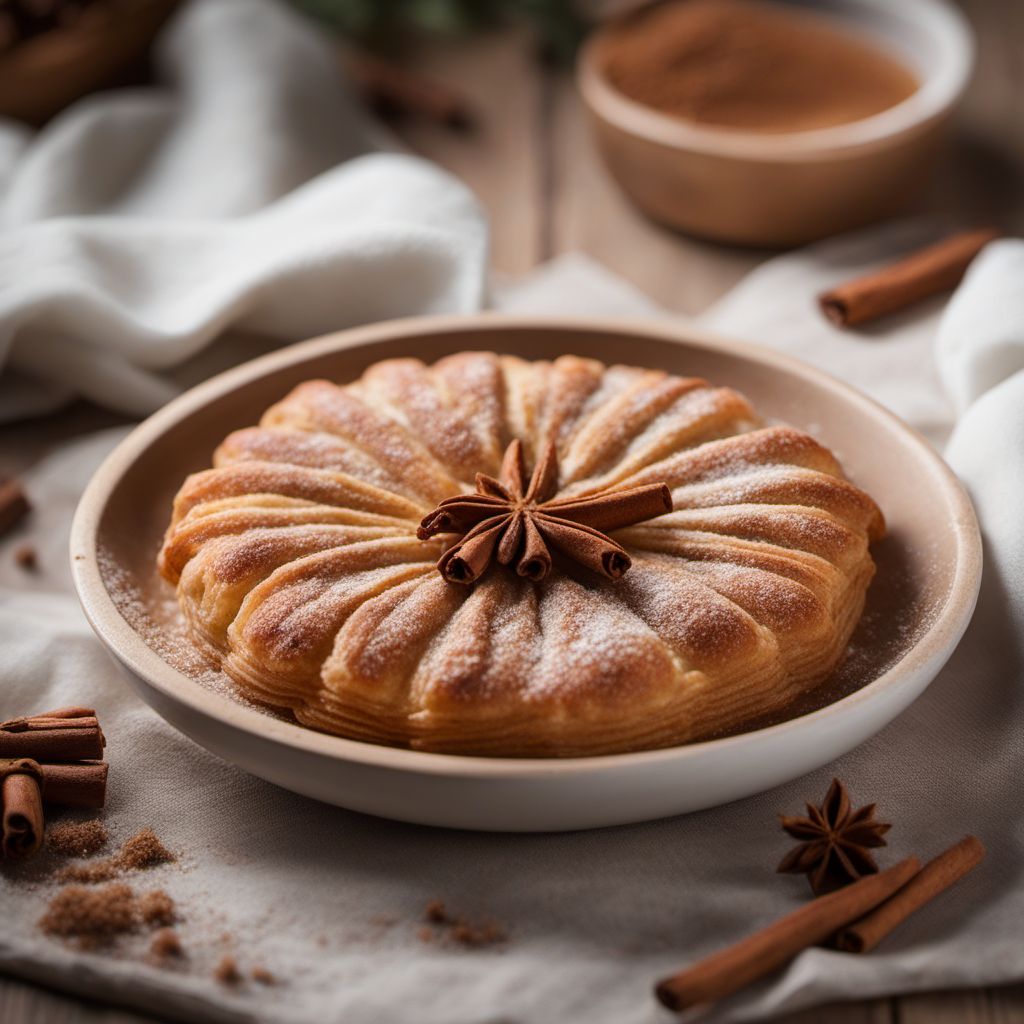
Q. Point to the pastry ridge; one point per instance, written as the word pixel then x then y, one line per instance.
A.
pixel 299 571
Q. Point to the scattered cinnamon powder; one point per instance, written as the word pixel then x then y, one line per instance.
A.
pixel 140 851
pixel 263 976
pixel 92 916
pixel 487 933
pixel 157 908
pixel 227 972
pixel 143 850
pixel 458 929
pixel 78 838
pixel 90 874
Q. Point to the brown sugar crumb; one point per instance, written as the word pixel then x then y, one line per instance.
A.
pixel 226 972
pixel 425 935
pixel 143 850
pixel 25 557
pixel 78 838
pixel 92 916
pixel 157 908
pixel 166 946
pixel 263 976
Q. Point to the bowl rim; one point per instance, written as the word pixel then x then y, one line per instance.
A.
pixel 930 650
pixel 934 97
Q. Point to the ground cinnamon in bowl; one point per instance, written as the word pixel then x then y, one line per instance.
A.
pixel 752 66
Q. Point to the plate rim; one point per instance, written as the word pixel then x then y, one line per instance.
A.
pixel 930 651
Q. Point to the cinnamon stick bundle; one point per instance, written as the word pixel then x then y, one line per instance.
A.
pixel 938 268
pixel 725 972
pixel 66 734
pixel 21 817
pixel 936 876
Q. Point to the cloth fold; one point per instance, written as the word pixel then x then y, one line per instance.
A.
pixel 140 226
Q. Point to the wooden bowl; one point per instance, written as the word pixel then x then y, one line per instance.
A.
pixel 50 71
pixel 918 606
pixel 786 189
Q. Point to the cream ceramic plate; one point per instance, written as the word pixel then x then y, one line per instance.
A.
pixel 918 606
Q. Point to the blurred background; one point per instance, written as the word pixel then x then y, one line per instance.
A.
pixel 486 89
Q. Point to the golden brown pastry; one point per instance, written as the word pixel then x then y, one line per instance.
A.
pixel 477 557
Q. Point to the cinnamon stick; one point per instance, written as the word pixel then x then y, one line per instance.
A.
pixel 766 951
pixel 75 785
pixel 22 815
pixel 612 510
pixel 935 877
pixel 21 807
pixel 13 504
pixel 394 91
pixel 66 734
pixel 935 269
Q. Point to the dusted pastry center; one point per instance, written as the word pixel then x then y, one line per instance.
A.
pixel 515 523
pixel 307 559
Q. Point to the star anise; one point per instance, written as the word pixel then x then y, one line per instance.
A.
pixel 520 523
pixel 835 841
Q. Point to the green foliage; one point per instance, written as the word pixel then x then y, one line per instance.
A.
pixel 371 21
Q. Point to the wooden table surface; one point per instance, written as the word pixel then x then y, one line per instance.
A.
pixel 531 163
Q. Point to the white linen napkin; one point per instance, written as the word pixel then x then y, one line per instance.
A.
pixel 139 225
pixel 332 901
